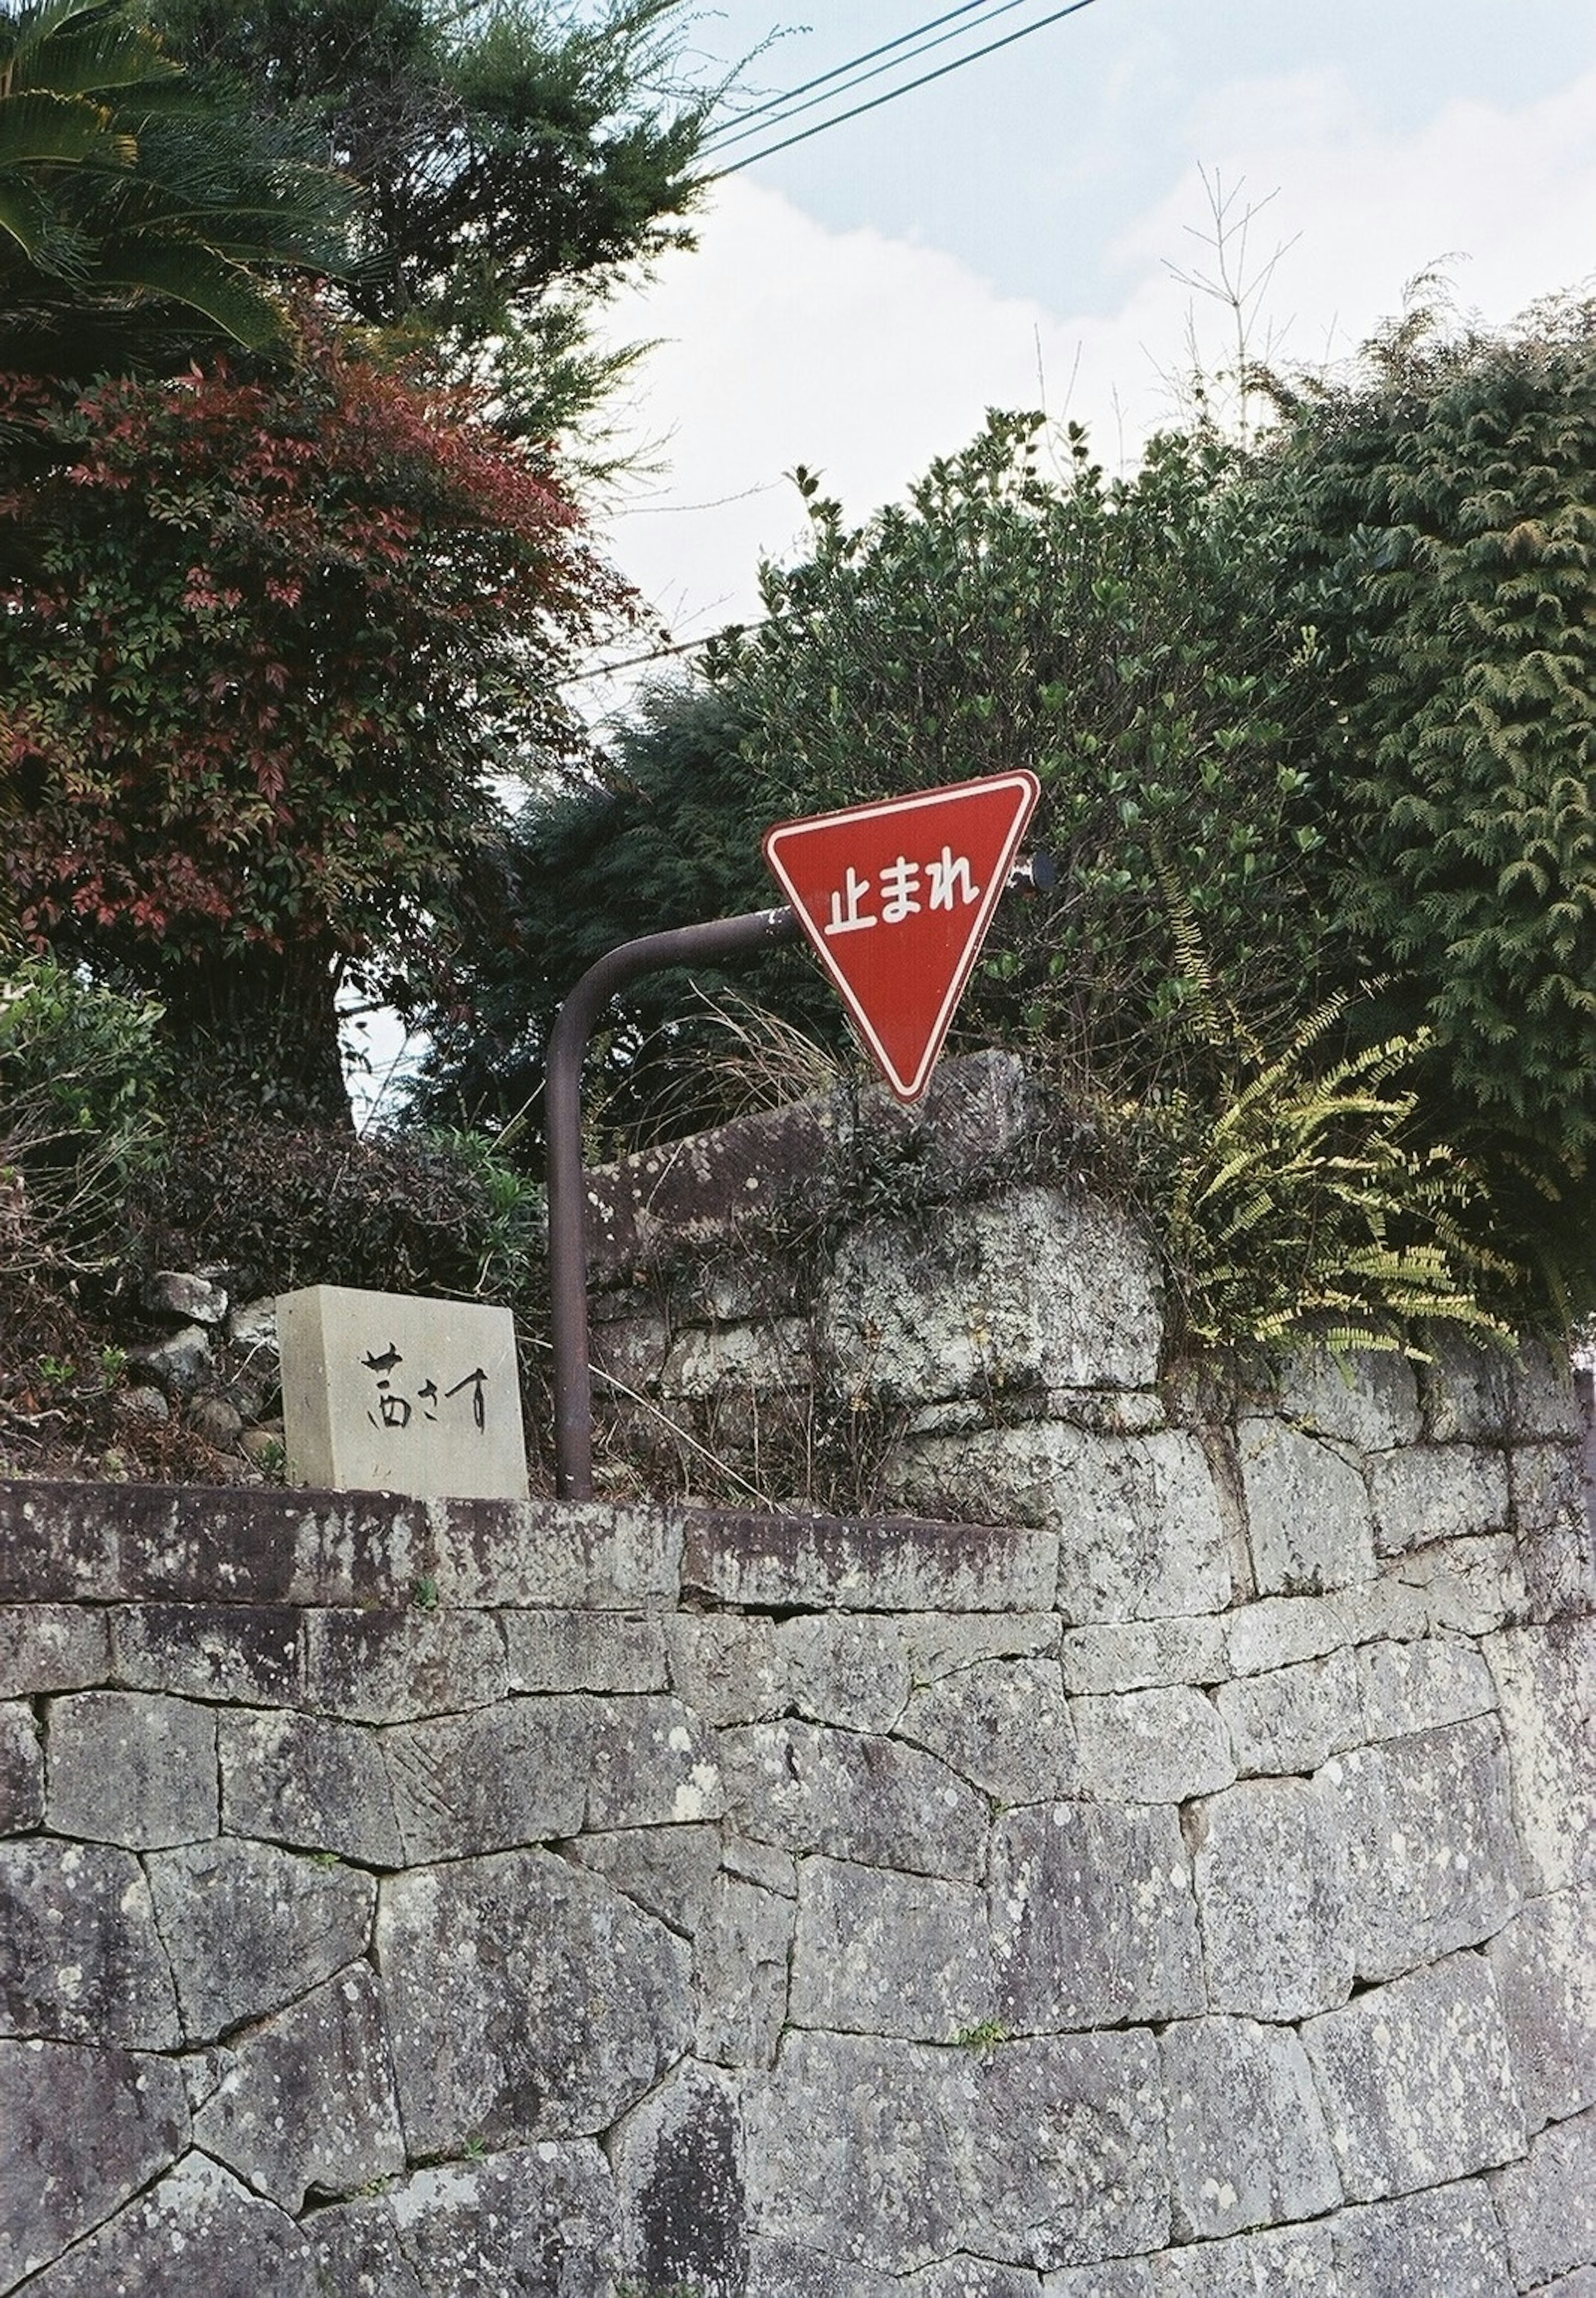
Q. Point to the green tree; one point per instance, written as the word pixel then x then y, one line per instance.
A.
pixel 1116 637
pixel 1442 522
pixel 264 641
pixel 139 220
pixel 512 164
pixel 669 835
pixel 1120 638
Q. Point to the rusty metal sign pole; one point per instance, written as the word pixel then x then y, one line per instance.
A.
pixel 567 1196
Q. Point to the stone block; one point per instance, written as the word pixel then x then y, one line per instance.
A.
pixel 1367 1398
pixel 1552 1517
pixel 850 1795
pixel 1548 2204
pixel 52 1648
pixel 677 2163
pixel 1248 2146
pixel 565 2003
pixel 131 1767
pixel 1093 1922
pixel 22 1770
pixel 630 1343
pixel 1429 1857
pixel 384 1392
pixel 1543 1401
pixel 1416 2080
pixel 1464 1587
pixel 1046 2154
pixel 741 1959
pixel 1418 1687
pixel 232 2244
pixel 1137 1519
pixel 1276 2264
pixel 248 1652
pixel 492 1781
pixel 1115 2278
pixel 530 1771
pixel 80 1958
pixel 1548 1487
pixel 853 1672
pixel 1466 1392
pixel 788 2269
pixel 601 1556
pixel 763 1864
pixel 701 1192
pixel 320 1548
pixel 1446 2243
pixel 888 1564
pixel 1161 1746
pixel 1291 1719
pixel 387 1666
pixel 1545 1966
pixel 763 1359
pixel 62 1543
pixel 1283 1631
pixel 181 1364
pixel 939 1642
pixel 307 2103
pixel 1436 1492
pixel 1034 1290
pixel 265 1547
pixel 727 1666
pixel 356 2247
pixel 652 1764
pixel 308 1781
pixel 537 2221
pixel 1307 1515
pixel 1135 1655
pixel 1004 1726
pixel 882 1953
pixel 971 2278
pixel 249 1928
pixel 585 1651
pixel 1267 1872
pixel 80 2131
pixel 668 1871
pixel 1546 1682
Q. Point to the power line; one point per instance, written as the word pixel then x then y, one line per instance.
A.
pixel 783 107
pixel 773 103
pixel 907 88
pixel 658 654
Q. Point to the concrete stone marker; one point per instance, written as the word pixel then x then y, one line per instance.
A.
pixel 384 1392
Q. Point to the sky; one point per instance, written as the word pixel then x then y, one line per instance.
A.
pixel 1010 236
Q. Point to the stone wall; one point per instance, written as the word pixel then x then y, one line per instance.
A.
pixel 1182 1885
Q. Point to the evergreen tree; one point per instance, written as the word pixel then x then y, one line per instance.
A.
pixel 1441 507
pixel 512 165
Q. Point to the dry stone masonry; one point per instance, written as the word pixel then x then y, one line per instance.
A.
pixel 1178 1883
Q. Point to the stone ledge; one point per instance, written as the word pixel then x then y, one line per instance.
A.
pixel 886 1564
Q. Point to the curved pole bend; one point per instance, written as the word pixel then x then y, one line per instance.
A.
pixel 567 1196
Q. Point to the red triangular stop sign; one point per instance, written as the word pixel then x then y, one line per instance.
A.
pixel 896 898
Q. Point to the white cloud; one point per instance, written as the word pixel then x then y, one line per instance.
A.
pixel 864 356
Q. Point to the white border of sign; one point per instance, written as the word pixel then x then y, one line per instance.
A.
pixel 1029 790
